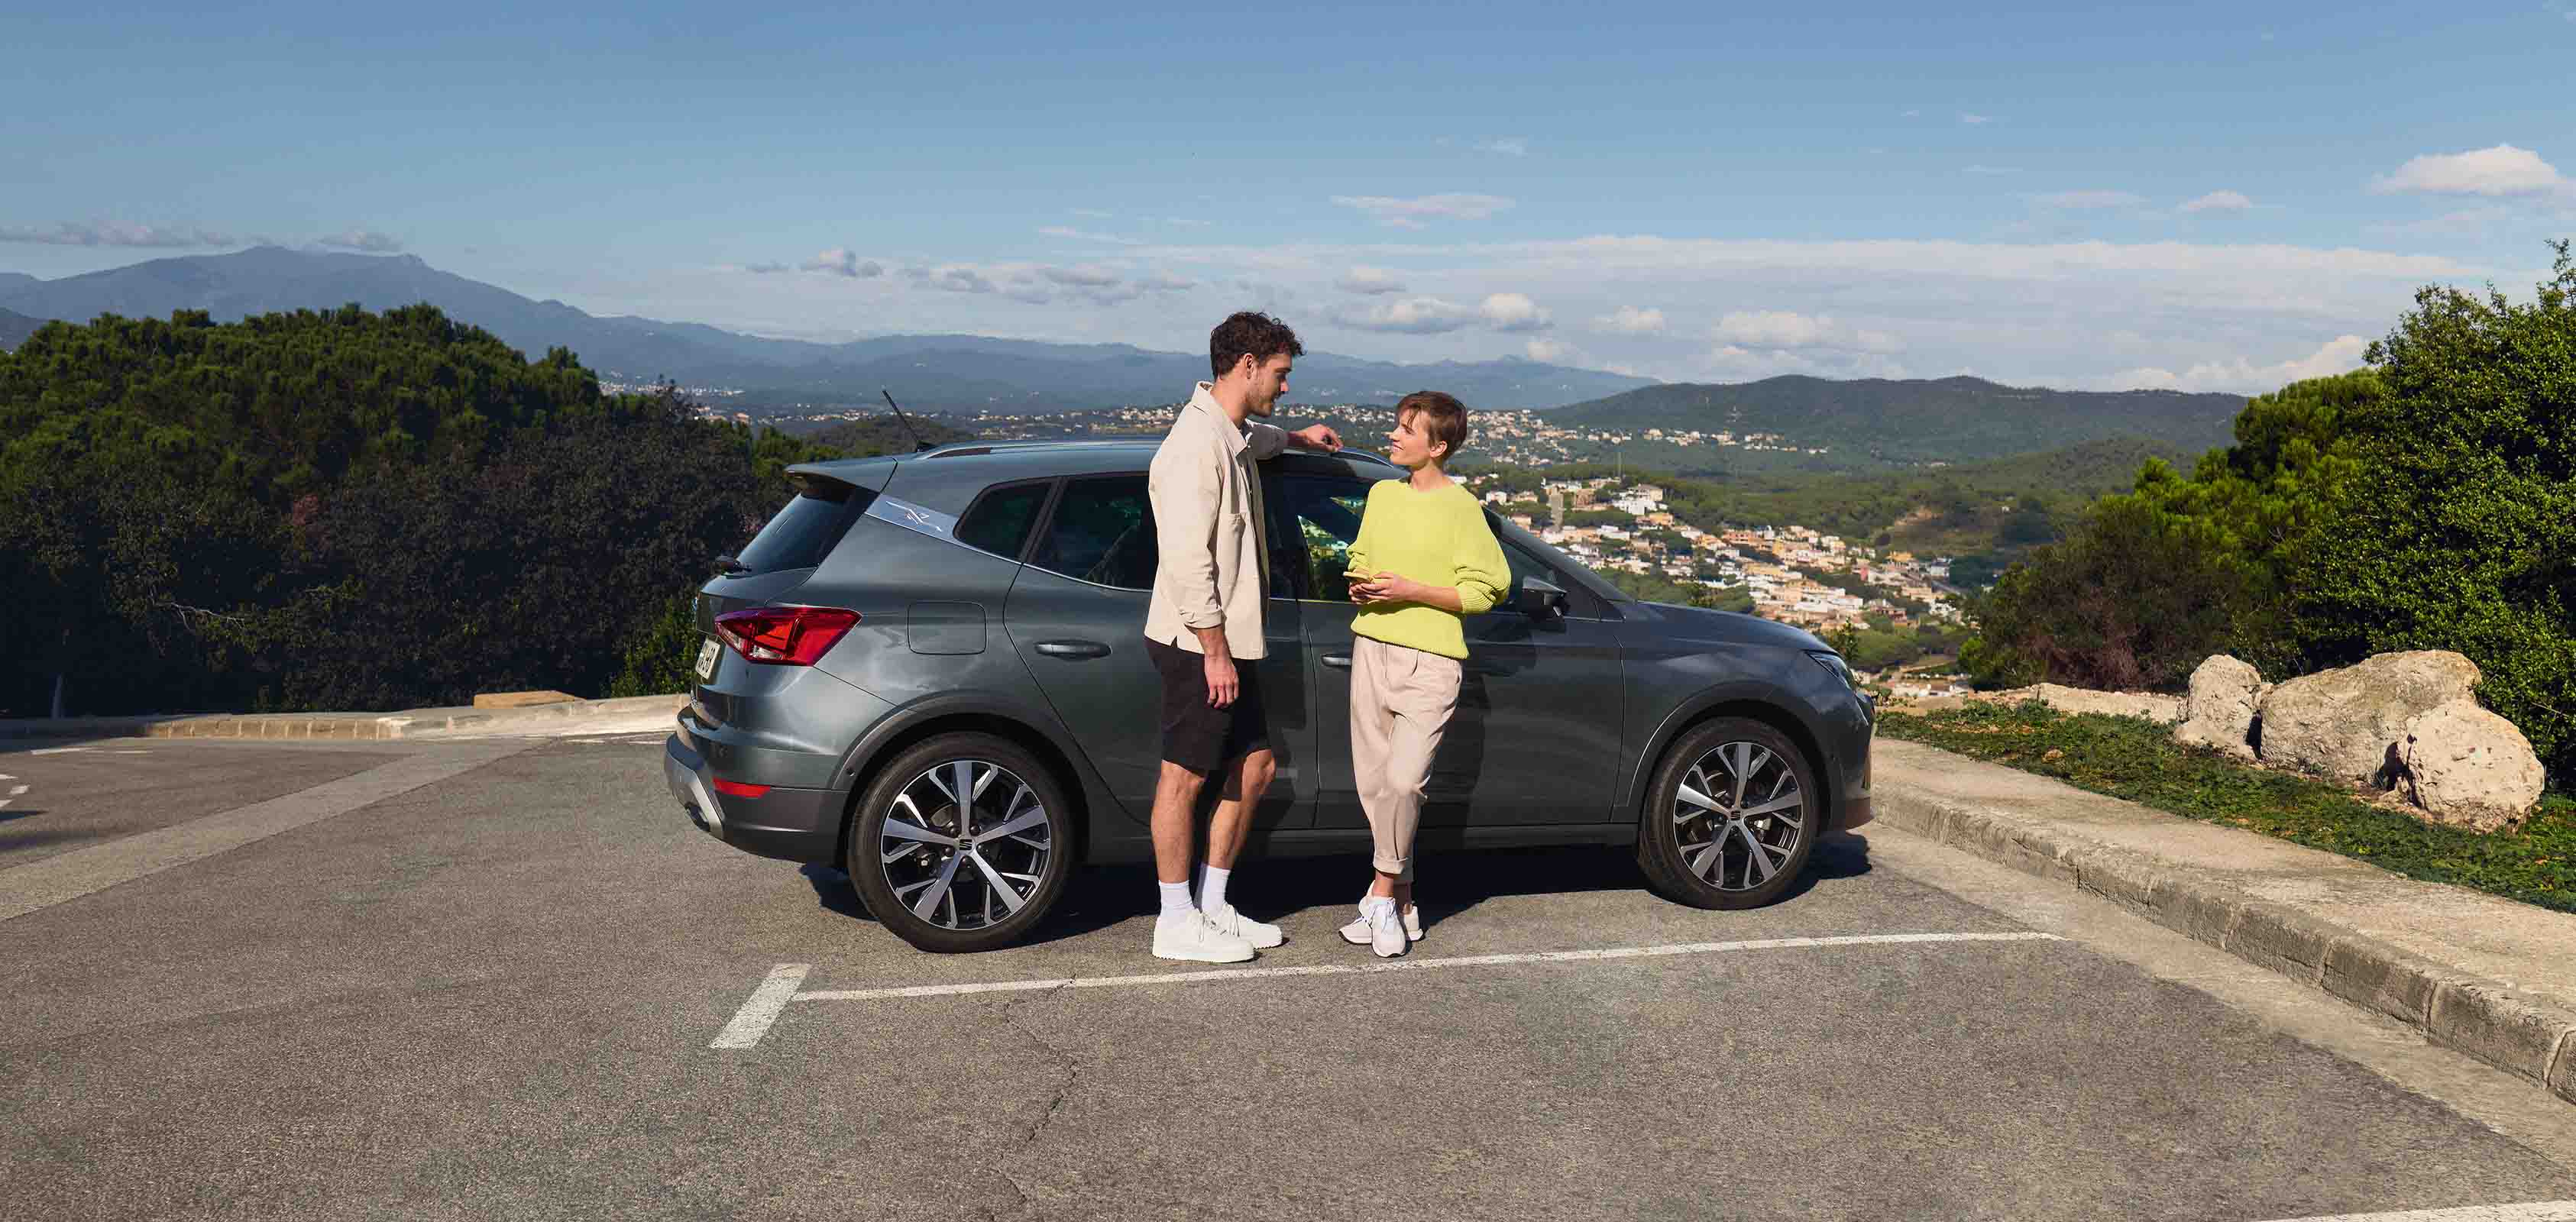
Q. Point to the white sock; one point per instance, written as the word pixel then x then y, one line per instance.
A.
pixel 1212 888
pixel 1176 899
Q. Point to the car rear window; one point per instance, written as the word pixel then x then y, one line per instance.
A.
pixel 799 535
pixel 999 520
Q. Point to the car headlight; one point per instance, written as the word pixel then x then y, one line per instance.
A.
pixel 1834 662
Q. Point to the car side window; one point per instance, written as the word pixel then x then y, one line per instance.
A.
pixel 1102 532
pixel 999 520
pixel 1326 513
pixel 1525 564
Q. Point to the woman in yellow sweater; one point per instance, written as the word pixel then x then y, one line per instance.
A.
pixel 1424 560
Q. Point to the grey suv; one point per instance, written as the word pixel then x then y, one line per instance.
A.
pixel 929 669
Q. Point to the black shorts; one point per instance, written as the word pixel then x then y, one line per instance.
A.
pixel 1196 736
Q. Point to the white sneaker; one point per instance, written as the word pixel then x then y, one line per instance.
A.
pixel 1357 932
pixel 1235 924
pixel 1386 931
pixel 1192 939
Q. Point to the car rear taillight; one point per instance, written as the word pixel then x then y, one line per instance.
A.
pixel 788 636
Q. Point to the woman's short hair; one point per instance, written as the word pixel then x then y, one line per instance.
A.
pixel 1444 419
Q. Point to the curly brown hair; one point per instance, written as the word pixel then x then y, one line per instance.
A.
pixel 1247 333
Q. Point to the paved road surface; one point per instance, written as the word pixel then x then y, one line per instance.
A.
pixel 495 994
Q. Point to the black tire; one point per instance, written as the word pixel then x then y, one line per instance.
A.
pixel 913 785
pixel 1674 836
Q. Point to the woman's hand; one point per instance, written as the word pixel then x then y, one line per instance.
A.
pixel 1386 588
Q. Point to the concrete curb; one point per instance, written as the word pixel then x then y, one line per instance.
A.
pixel 582 716
pixel 2487 1019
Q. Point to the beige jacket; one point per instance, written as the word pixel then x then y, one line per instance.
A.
pixel 1208 524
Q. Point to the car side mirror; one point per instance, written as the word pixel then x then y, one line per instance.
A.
pixel 1539 600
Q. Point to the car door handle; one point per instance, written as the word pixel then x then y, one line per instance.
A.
pixel 1338 661
pixel 1072 649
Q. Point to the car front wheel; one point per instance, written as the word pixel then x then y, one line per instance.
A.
pixel 963 842
pixel 1732 817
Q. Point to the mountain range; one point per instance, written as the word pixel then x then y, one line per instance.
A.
pixel 1946 420
pixel 953 373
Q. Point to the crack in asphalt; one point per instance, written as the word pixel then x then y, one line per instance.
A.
pixel 1065 1061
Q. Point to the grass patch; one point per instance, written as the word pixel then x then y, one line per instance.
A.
pixel 2136 759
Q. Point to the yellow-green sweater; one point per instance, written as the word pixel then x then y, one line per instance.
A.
pixel 1438 538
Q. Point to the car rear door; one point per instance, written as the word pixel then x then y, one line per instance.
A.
pixel 1076 614
pixel 1536 735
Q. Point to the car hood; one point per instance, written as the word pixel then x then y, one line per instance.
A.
pixel 1732 627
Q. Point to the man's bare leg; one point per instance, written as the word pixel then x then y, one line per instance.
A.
pixel 1245 781
pixel 1175 792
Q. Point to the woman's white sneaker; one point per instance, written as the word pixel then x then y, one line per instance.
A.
pixel 1190 938
pixel 1385 929
pixel 1412 923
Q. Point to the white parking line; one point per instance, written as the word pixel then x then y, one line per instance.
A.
pixel 61 750
pixel 2536 1211
pixel 771 998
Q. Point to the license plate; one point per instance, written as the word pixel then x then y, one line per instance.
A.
pixel 707 660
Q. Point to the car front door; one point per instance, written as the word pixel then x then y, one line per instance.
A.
pixel 1536 735
pixel 1077 617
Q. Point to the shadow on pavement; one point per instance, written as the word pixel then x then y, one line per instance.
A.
pixel 1098 897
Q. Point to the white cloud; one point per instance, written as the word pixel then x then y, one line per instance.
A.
pixel 951 277
pixel 2219 201
pixel 1974 120
pixel 1369 281
pixel 2502 170
pixel 1554 352
pixel 366 240
pixel 1089 276
pixel 1629 320
pixel 839 262
pixel 1410 315
pixel 1084 235
pixel 1788 330
pixel 1187 221
pixel 2088 199
pixel 1508 146
pixel 1094 213
pixel 1514 312
pixel 1165 283
pixel 1993 169
pixel 1409 213
pixel 766 269
pixel 1912 114
pixel 116 233
pixel 2341 354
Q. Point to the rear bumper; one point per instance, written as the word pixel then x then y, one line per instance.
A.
pixel 788 824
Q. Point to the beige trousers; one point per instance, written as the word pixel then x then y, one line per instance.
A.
pixel 1401 699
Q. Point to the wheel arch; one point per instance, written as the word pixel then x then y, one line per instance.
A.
pixel 1750 704
pixel 897 734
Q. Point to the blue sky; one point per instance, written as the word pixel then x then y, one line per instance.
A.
pixel 2204 196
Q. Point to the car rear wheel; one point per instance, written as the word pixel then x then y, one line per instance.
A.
pixel 963 842
pixel 1732 817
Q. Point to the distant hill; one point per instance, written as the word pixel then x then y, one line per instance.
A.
pixel 1948 420
pixel 960 373
pixel 15 328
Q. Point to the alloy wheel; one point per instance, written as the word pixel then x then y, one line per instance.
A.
pixel 965 844
pixel 1737 816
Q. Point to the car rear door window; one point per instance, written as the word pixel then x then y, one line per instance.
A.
pixel 799 535
pixel 999 520
pixel 1102 532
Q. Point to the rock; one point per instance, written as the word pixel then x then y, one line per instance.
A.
pixel 2341 724
pixel 2220 710
pixel 2167 709
pixel 2468 767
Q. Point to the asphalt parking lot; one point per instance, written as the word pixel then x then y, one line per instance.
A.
pixel 505 978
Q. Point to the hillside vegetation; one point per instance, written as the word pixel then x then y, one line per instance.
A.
pixel 2428 502
pixel 344 510
pixel 1950 419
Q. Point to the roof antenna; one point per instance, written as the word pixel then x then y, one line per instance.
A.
pixel 918 445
